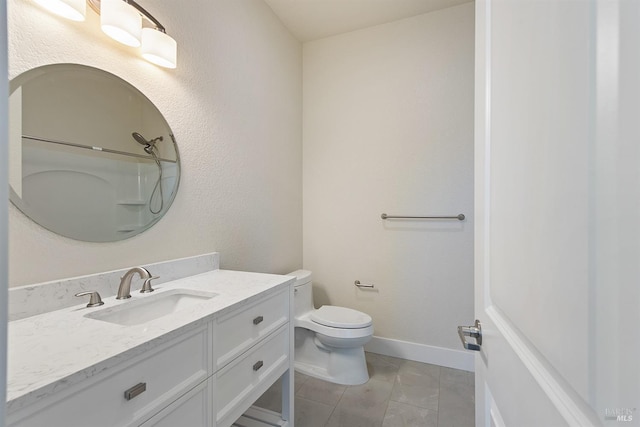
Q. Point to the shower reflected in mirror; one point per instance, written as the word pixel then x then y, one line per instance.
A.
pixel 150 148
pixel 73 167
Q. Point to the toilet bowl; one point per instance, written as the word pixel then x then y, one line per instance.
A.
pixel 329 341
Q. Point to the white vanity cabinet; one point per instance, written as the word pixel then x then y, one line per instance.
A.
pixel 207 376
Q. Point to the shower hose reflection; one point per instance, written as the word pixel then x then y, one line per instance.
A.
pixel 150 148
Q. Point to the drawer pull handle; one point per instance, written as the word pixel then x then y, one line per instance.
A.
pixel 258 320
pixel 257 365
pixel 135 390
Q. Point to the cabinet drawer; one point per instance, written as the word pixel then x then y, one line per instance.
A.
pixel 240 383
pixel 167 372
pixel 191 410
pixel 242 328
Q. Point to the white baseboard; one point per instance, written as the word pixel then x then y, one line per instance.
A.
pixel 440 356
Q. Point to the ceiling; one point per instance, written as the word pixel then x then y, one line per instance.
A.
pixel 314 19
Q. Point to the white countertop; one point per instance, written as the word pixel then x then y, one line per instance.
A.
pixel 54 350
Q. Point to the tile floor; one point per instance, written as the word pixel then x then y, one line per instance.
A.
pixel 399 393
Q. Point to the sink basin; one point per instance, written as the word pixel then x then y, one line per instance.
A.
pixel 138 311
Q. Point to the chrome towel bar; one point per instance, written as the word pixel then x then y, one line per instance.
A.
pixel 458 217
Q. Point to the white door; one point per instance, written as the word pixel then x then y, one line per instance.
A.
pixel 558 212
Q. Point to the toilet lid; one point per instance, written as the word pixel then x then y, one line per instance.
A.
pixel 340 317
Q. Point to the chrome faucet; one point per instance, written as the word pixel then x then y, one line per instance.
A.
pixel 124 291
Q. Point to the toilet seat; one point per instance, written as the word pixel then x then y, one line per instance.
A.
pixel 340 317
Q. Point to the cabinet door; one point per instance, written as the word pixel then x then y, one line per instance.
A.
pixel 194 409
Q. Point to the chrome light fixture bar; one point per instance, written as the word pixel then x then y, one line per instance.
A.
pixel 126 22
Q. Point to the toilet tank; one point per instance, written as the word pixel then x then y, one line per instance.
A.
pixel 303 295
pixel 302 276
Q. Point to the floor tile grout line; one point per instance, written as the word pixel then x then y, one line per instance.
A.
pixel 383 415
pixel 331 414
pixel 389 399
pixel 413 406
pixel 335 406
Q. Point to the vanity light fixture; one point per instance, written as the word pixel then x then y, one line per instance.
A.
pixel 129 23
pixel 70 9
pixel 126 22
pixel 159 48
pixel 121 22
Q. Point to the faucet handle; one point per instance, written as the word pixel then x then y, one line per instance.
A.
pixel 146 286
pixel 95 299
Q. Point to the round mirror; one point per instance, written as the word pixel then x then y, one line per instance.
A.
pixel 90 157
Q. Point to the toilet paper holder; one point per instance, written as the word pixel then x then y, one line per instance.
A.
pixel 362 285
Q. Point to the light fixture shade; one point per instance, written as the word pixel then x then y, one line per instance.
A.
pixel 71 9
pixel 159 48
pixel 121 22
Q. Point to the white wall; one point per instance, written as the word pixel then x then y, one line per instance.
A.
pixel 388 127
pixel 234 105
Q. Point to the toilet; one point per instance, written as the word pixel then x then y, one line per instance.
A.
pixel 329 341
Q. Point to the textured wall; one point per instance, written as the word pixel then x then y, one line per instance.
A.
pixel 388 127
pixel 234 104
